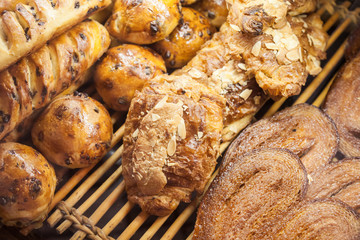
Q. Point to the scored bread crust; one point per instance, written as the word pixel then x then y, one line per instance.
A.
pixel 34 81
pixel 27 25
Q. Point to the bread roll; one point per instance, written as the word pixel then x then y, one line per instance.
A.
pixel 35 80
pixel 123 71
pixel 181 45
pixel 74 131
pixel 27 186
pixel 215 10
pixel 27 25
pixel 143 22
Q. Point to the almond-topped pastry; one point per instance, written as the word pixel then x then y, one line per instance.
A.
pixel 237 67
pixel 172 138
pixel 27 186
pixel 303 129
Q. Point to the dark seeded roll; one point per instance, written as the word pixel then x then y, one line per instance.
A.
pixel 27 186
pixel 215 10
pixel 74 131
pixel 123 71
pixel 181 45
pixel 143 22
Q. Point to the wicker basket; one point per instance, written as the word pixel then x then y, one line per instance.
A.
pixel 93 203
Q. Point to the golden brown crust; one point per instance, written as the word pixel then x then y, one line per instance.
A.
pixel 250 195
pixel 143 22
pixel 186 39
pixel 303 129
pixel 339 180
pixel 27 25
pixel 233 64
pixel 342 103
pixel 27 186
pixel 172 139
pixel 74 131
pixel 124 70
pixel 321 219
pixel 215 10
pixel 35 80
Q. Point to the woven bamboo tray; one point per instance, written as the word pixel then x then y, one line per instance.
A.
pixel 93 204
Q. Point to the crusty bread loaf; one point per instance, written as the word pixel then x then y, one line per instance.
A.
pixel 27 25
pixel 35 80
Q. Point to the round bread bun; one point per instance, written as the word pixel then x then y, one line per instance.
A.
pixel 74 131
pixel 125 69
pixel 27 186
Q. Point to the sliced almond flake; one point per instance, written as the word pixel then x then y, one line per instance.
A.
pixel 195 73
pixel 257 100
pixel 182 129
pixel 245 94
pixel 171 148
pixel 185 107
pixel 242 66
pixel 235 27
pixel 291 42
pixel 310 178
pixel 293 55
pixel 161 103
pixel 256 48
pixel 271 46
pixel 135 133
pixel 155 117
pixel 301 55
pixel 309 39
pixel 200 134
pixel 233 128
pixel 243 83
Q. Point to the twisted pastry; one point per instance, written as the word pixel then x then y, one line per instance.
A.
pixel 27 25
pixel 322 219
pixel 339 180
pixel 36 79
pixel 303 129
pixel 250 195
pixel 342 103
